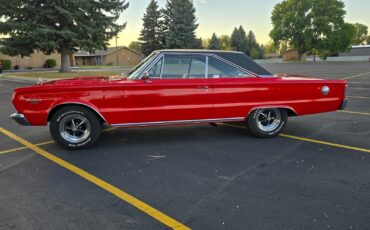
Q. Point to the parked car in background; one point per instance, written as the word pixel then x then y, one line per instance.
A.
pixel 175 87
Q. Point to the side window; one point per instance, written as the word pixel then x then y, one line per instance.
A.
pixel 155 71
pixel 220 69
pixel 184 67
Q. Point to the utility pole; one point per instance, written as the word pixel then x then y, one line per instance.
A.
pixel 117 50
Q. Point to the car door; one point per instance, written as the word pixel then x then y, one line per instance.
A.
pixel 235 90
pixel 176 90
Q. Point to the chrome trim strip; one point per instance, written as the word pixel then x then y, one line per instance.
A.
pixel 79 103
pixel 20 119
pixel 159 123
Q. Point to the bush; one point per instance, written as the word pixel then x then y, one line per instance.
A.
pixel 110 64
pixel 6 64
pixel 50 63
pixel 16 67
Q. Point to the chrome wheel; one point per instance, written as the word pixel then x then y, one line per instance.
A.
pixel 74 128
pixel 268 119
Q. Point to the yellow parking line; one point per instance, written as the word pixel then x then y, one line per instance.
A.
pixel 156 214
pixel 42 144
pixel 352 112
pixel 313 141
pixel 22 148
pixel 326 143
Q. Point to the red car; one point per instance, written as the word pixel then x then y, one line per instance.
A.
pixel 175 87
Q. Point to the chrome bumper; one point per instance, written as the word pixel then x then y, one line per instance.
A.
pixel 344 104
pixel 20 119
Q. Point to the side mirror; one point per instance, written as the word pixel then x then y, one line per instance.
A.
pixel 145 76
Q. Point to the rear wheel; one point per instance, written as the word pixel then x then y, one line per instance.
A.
pixel 75 127
pixel 268 122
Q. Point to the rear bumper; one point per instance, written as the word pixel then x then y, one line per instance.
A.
pixel 344 104
pixel 20 119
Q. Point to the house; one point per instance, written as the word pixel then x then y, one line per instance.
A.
pixel 120 55
pixel 35 60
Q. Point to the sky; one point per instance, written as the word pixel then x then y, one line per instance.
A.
pixel 222 16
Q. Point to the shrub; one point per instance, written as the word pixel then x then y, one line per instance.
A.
pixel 7 64
pixel 50 63
pixel 16 67
pixel 110 64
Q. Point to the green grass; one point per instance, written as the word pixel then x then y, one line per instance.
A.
pixel 57 75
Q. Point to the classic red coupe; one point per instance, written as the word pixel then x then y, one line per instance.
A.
pixel 174 87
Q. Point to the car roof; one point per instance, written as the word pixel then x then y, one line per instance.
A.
pixel 238 58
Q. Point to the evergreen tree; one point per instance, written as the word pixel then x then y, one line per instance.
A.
pixel 62 26
pixel 251 42
pixel 239 41
pixel 135 45
pixel 225 41
pixel 214 43
pixel 150 35
pixel 198 43
pixel 180 24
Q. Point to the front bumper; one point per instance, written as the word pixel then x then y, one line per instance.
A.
pixel 20 119
pixel 344 104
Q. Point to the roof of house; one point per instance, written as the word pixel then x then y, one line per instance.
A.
pixel 84 53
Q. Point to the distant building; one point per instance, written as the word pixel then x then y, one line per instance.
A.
pixel 121 55
pixel 35 60
pixel 357 51
pixel 293 55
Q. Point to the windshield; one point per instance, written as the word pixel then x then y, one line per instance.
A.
pixel 133 74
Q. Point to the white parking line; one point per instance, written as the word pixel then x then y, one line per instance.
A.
pixel 354 76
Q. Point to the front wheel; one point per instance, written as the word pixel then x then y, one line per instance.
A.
pixel 75 127
pixel 268 122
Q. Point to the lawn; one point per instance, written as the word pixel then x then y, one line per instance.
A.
pixel 57 75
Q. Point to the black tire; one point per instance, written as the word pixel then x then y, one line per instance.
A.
pixel 263 125
pixel 75 127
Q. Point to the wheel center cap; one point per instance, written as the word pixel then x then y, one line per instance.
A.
pixel 74 129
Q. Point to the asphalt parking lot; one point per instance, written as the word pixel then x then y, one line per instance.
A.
pixel 314 176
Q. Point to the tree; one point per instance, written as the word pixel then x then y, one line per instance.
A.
pixel 368 40
pixel 150 35
pixel 135 45
pixel 271 48
pixel 180 24
pixel 62 26
pixel 251 42
pixel 239 40
pixel 214 43
pixel 198 43
pixel 257 52
pixel 225 41
pixel 337 41
pixel 308 24
pixel 361 32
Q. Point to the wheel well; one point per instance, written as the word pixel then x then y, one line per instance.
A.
pixel 290 112
pixel 55 109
